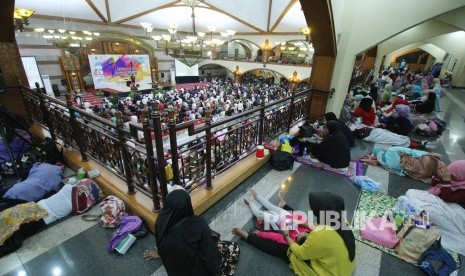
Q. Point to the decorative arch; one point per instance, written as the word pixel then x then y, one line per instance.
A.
pixel 219 65
pixel 266 69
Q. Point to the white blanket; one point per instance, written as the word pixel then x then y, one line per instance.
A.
pixel 449 217
pixel 383 136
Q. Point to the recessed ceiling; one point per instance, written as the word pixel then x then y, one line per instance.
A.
pixel 245 16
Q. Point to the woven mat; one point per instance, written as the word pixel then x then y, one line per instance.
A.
pixel 355 167
pixel 375 205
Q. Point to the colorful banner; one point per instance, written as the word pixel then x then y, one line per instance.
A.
pixel 114 71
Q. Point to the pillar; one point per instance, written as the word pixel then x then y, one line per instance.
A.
pixel 10 62
pixel 318 14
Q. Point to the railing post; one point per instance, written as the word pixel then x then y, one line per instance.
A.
pixel 74 125
pixel 156 117
pixel 46 115
pixel 124 153
pixel 150 165
pixel 208 155
pixel 174 146
pixel 291 108
pixel 262 120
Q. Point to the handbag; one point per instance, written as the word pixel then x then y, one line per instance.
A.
pixel 380 231
pixel 437 261
pixel 415 239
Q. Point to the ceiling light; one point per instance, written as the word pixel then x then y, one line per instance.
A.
pixel 224 34
pixel 61 31
pixel 156 37
pixel 211 28
pixel 149 29
pixel 277 43
pixel 97 34
pixel 231 32
pixel 145 25
pixel 283 43
pixel 51 31
pixel 291 48
pixel 305 30
pixel 166 37
pixel 21 18
pixel 72 32
pixel 283 48
pixel 201 34
pixel 39 30
pixel 88 38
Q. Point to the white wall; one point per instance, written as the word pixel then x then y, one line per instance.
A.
pixel 366 23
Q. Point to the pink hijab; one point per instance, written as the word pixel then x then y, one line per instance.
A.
pixel 457 170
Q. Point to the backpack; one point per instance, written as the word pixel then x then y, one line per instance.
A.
pixel 113 210
pixel 282 161
pixel 84 196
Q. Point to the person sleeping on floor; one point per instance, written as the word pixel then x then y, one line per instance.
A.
pixel 403 161
pixel 281 215
pixel 22 221
pixel 328 250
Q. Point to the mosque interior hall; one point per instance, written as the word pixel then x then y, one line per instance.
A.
pixel 211 137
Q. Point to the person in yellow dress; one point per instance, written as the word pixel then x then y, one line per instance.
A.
pixel 328 250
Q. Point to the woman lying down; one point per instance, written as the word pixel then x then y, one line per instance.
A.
pixel 417 164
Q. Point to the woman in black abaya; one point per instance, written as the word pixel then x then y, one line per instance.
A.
pixel 185 243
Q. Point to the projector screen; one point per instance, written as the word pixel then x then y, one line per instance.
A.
pixel 183 70
pixel 32 72
pixel 113 71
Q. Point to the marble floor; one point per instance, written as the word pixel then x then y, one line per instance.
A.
pixel 77 247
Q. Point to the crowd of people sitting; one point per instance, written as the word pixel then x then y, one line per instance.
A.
pixel 222 96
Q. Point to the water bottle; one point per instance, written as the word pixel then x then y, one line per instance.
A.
pixel 399 219
pixel 305 153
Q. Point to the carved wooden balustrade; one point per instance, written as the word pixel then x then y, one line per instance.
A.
pixel 205 152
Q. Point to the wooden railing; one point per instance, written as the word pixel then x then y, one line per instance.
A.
pixel 210 150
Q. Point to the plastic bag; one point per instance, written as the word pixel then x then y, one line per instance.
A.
pixel 368 184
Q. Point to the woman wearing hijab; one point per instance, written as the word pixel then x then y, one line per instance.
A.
pixel 427 106
pixel 328 250
pixel 366 112
pixel 334 149
pixel 452 191
pixel 402 123
pixel 437 90
pixel 346 112
pixel 417 164
pixel 386 96
pixel 185 243
pixel 330 116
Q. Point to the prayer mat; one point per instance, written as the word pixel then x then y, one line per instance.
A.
pixel 375 205
pixel 355 167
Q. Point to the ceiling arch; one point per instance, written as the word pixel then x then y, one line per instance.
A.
pixel 244 16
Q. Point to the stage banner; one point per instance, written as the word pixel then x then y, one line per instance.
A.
pixel 115 71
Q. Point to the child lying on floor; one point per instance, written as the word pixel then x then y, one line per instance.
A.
pixel 281 216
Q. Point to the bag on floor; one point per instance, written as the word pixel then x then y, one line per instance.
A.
pixel 282 161
pixel 437 261
pixel 442 126
pixel 113 210
pixel 415 239
pixel 84 196
pixel 380 231
pixel 50 152
pixel 367 184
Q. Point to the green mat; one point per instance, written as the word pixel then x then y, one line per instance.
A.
pixel 375 205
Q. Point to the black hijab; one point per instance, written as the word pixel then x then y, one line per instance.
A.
pixel 326 201
pixel 366 104
pixel 178 206
pixel 330 116
pixel 333 128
